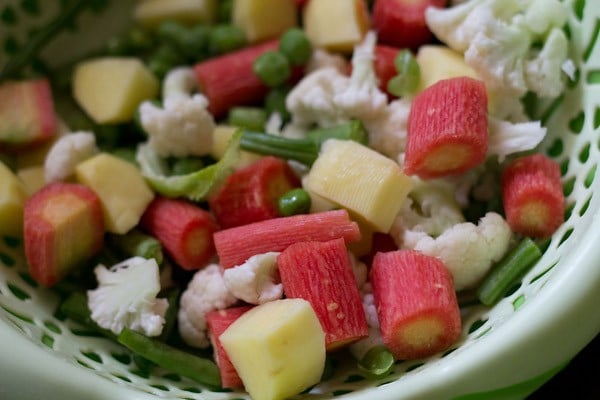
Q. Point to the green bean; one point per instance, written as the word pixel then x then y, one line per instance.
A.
pixel 295 46
pixel 507 271
pixel 76 308
pixel 172 295
pixel 275 102
pixel 136 243
pixel 294 202
pixel 273 68
pixel 251 118
pixel 201 370
pixel 377 362
pixel 409 74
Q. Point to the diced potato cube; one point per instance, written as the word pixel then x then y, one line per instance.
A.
pixel 150 13
pixel 439 62
pixel 121 187
pixel 358 178
pixel 33 178
pixel 110 89
pixel 264 19
pixel 277 348
pixel 12 200
pixel 336 25
pixel 221 137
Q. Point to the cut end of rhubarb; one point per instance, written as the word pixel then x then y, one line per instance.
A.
pixel 447 159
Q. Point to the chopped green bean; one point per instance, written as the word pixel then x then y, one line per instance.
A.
pixel 409 74
pixel 201 370
pixel 508 270
pixel 273 68
pixel 76 308
pixel 251 118
pixel 377 362
pixel 295 46
pixel 275 102
pixel 294 202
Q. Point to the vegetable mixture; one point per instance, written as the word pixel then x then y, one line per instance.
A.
pixel 239 191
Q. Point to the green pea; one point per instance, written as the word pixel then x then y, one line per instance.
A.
pixel 295 46
pixel 273 68
pixel 224 38
pixel 294 202
pixel 164 59
pixel 251 118
pixel 190 41
pixel 409 74
pixel 378 362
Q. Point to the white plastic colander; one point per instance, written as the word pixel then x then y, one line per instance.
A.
pixel 505 352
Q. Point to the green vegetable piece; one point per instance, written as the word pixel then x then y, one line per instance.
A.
pixel 194 186
pixel 295 46
pixel 507 271
pixel 41 37
pixel 273 68
pixel 165 58
pixel 140 39
pixel 275 102
pixel 186 165
pixel 125 153
pixel 224 38
pixel 201 370
pixel 304 150
pixel 136 243
pixel 409 74
pixel 192 42
pixel 172 295
pixel 224 10
pixel 294 202
pixel 251 118
pixel 76 308
pixel 377 362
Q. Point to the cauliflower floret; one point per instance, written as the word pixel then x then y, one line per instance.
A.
pixel 205 292
pixel 321 58
pixel 256 281
pixel 507 138
pixel 327 97
pixel 183 126
pixel 126 297
pixel 387 134
pixel 468 250
pixel 498 40
pixel 359 269
pixel 68 151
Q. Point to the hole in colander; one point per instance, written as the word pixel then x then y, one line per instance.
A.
pixel 578 6
pixel 476 325
pixel 597 118
pixel 92 355
pixel 512 289
pixel 585 206
pixel 160 387
pixel 576 124
pixel 590 47
pixel 48 340
pixel 18 292
pixel 6 259
pixel 556 148
pixel 414 366
pixel 584 153
pixel 52 327
pixel 571 83
pixel 123 358
pixel 341 392
pixel 172 377
pixel 191 389
pixel 569 210
pixel 8 16
pixel 447 352
pixel 84 364
pixel 589 178
pixel 18 315
pixel 593 77
pixel 140 372
pixel 121 377
pixel 12 242
pixel 554 105
pixel 543 273
pixel 354 378
pixel 565 236
pixel 518 302
pixel 568 186
pixel 28 279
pixel 564 167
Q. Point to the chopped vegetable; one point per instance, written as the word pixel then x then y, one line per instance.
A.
pixel 136 243
pixel 321 273
pixel 295 46
pixel 65 153
pixel 409 75
pixel 273 68
pixel 262 20
pixel 416 303
pixel 235 245
pixel 251 194
pixel 57 214
pixel 126 297
pixel 277 348
pixel 447 129
pixel 201 370
pixel 377 362
pixel 250 118
pixel 150 13
pixel 184 229
pixel 257 280
pixel 532 195
pixel 13 194
pixel 293 202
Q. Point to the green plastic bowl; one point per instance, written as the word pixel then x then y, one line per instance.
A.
pixel 505 352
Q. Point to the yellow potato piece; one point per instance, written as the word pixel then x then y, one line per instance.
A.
pixel 361 180
pixel 150 13
pixel 12 200
pixel 264 19
pixel 336 25
pixel 33 178
pixel 221 137
pixel 110 89
pixel 277 348
pixel 121 188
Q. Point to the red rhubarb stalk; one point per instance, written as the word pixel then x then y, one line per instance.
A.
pixel 184 229
pixel 251 194
pixel 447 131
pixel 236 245
pixel 218 321
pixel 321 273
pixel 532 196
pixel 416 303
pixel 63 228
pixel 228 80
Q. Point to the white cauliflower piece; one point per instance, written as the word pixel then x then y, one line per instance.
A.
pixel 126 297
pixel 506 138
pixel 182 126
pixel 321 58
pixel 359 269
pixel 327 97
pixel 498 37
pixel 205 292
pixel 467 250
pixel 256 281
pixel 387 133
pixel 68 151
